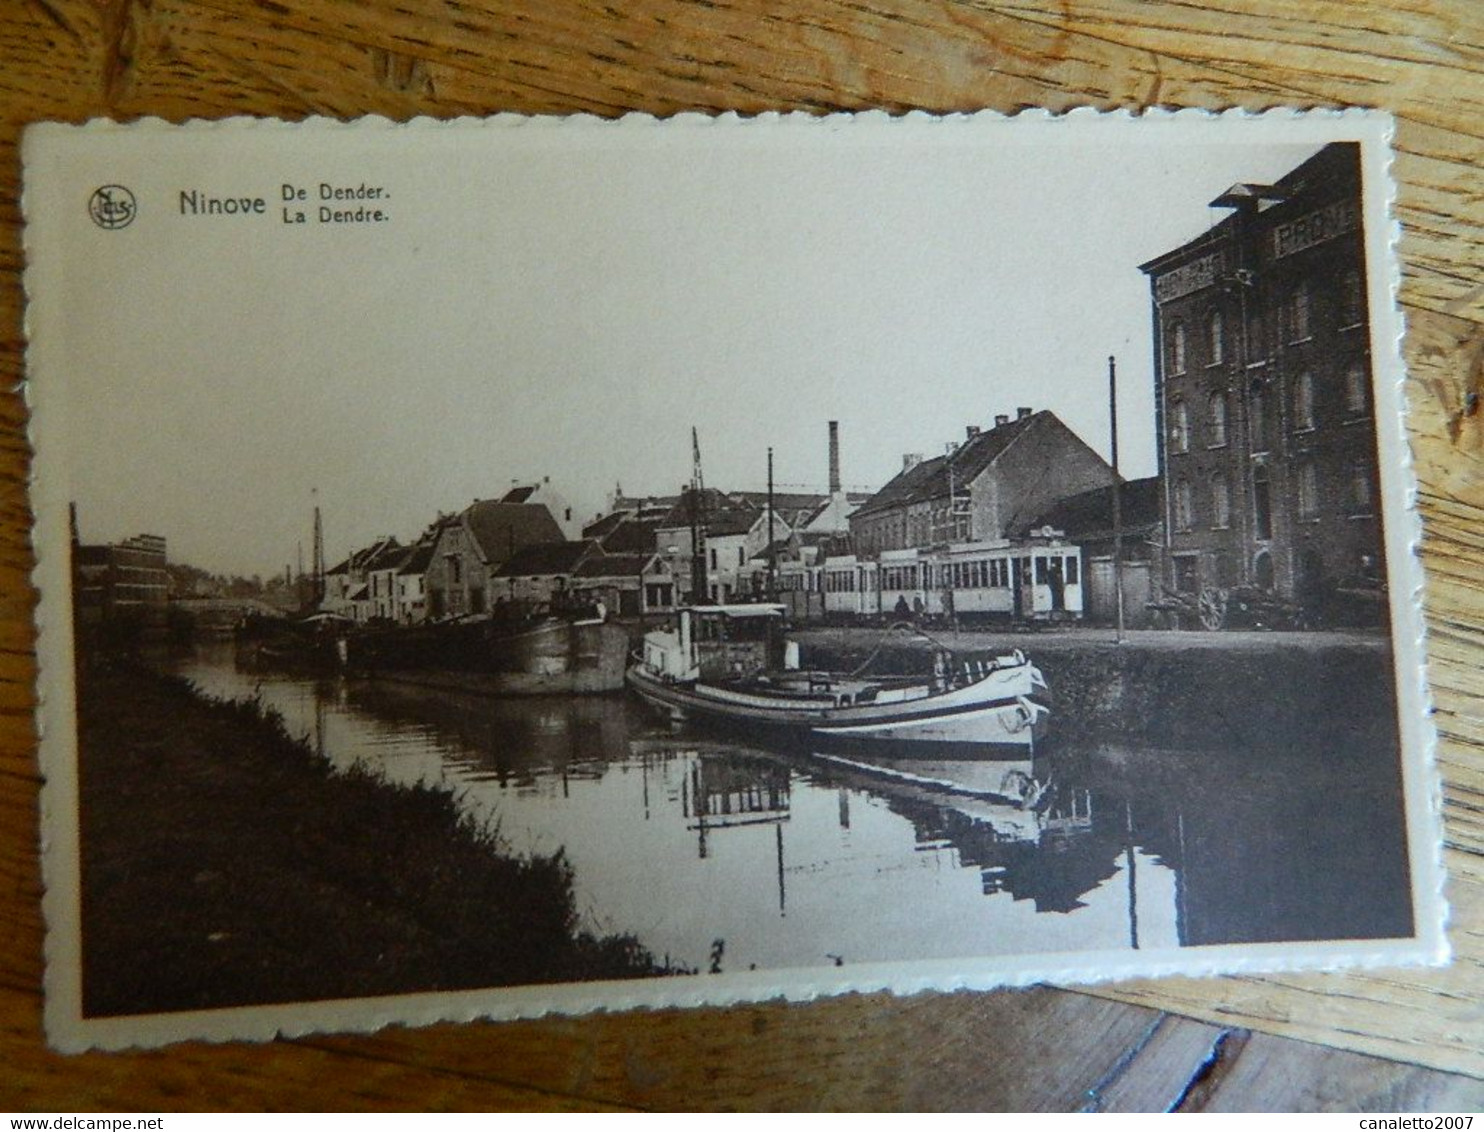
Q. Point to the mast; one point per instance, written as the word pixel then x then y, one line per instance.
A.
pixel 772 548
pixel 317 590
pixel 698 589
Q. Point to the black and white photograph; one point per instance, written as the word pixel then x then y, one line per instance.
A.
pixel 500 567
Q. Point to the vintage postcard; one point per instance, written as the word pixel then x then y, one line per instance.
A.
pixel 490 568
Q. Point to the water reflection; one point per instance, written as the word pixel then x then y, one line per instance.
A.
pixel 724 856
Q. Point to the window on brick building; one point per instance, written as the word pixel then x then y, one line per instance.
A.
pixel 1362 497
pixel 1308 491
pixel 1303 400
pixel 1262 503
pixel 1352 298
pixel 1221 502
pixel 1182 505
pixel 1255 348
pixel 1177 347
pixel 1257 415
pixel 1299 311
pixel 1218 419
pixel 1179 426
pixel 1215 339
pixel 1357 397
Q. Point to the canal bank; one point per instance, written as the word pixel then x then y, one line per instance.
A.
pixel 226 863
pixel 1168 688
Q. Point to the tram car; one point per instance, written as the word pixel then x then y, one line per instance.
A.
pixel 1041 581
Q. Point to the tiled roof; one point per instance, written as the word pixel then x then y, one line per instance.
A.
pixel 518 494
pixel 712 502
pixel 734 521
pixel 417 559
pixel 624 533
pixel 613 566
pixel 545 558
pixel 500 529
pixel 606 525
pixel 929 478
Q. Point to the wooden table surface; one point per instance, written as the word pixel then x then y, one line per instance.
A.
pixel 1313 1041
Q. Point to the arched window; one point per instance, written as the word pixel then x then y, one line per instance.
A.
pixel 1357 402
pixel 1303 400
pixel 1218 419
pixel 1308 491
pixel 1258 418
pixel 1179 426
pixel 1177 347
pixel 1215 338
pixel 1182 505
pixel 1221 502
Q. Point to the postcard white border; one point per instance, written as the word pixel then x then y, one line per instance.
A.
pixel 69 1031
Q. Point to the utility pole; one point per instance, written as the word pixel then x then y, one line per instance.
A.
pixel 1117 503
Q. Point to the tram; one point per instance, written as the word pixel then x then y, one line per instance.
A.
pixel 1034 581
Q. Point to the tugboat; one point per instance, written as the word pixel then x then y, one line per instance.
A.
pixel 732 664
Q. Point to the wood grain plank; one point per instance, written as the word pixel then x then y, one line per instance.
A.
pixel 1299 1077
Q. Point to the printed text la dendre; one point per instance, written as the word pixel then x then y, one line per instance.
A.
pixel 319 203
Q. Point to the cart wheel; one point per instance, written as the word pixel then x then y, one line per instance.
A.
pixel 1213 609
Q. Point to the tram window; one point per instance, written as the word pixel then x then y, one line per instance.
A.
pixel 1071 571
pixel 1043 576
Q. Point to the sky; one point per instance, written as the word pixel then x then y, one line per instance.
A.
pixel 569 304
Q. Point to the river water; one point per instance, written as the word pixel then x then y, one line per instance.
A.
pixel 723 856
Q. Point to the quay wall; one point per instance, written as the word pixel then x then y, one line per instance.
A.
pixel 1260 695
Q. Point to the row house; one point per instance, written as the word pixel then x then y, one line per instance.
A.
pixel 348 583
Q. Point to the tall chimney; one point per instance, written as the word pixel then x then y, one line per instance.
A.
pixel 1001 419
pixel 834 457
pixel 1022 412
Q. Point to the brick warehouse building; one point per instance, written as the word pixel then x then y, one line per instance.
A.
pixel 1267 439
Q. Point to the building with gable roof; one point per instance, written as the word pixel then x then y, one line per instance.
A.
pixel 475 543
pixel 981 490
pixel 541 573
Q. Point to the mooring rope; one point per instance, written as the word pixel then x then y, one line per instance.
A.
pixel 909 629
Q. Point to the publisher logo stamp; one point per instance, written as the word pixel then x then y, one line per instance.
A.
pixel 112 206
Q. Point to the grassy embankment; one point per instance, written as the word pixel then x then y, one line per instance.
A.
pixel 224 864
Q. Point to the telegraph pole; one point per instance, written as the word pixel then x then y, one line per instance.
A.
pixel 1117 505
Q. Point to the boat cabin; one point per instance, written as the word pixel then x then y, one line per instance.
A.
pixel 720 642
